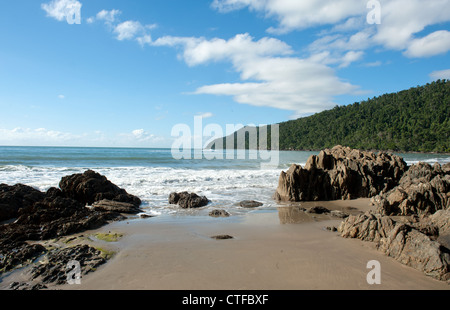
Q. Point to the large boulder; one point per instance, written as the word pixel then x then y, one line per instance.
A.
pixel 188 200
pixel 90 186
pixel 340 173
pixel 14 198
pixel 422 190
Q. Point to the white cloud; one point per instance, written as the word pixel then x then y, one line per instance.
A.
pixel 59 9
pixel 270 76
pixel 442 74
pixel 134 30
pixel 402 22
pixel 142 135
pixel 433 44
pixel 108 16
pixel 127 30
pixel 61 97
pixel 295 14
pixel 39 136
pixel 242 46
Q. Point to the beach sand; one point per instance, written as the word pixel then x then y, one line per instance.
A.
pixel 282 249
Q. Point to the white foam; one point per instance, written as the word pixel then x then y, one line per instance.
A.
pixel 153 185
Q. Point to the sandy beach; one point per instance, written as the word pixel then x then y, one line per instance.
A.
pixel 283 249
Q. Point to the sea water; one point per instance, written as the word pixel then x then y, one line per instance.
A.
pixel 152 174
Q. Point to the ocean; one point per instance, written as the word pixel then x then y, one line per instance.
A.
pixel 152 174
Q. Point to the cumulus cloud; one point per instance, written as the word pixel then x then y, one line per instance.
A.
pixel 106 16
pixel 402 23
pixel 60 9
pixel 441 74
pixel 433 44
pixel 270 76
pixel 294 14
pixel 134 30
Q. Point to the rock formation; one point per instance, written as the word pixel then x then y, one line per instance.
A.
pixel 90 187
pixel 340 173
pixel 36 216
pixel 188 200
pixel 411 221
pixel 413 243
pixel 423 190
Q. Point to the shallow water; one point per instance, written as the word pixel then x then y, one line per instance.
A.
pixel 152 174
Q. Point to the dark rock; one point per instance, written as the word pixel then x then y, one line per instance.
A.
pixel 24 286
pixel 318 210
pixel 53 271
pixel 340 173
pixel 14 198
pixel 145 216
pixel 18 254
pixel 222 237
pixel 250 204
pixel 188 200
pixel 423 189
pixel 219 213
pixel 90 187
pixel 54 218
pixel 121 207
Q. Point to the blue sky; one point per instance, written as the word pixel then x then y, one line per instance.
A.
pixel 127 72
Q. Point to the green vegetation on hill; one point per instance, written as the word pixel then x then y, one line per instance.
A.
pixel 417 119
pixel 413 120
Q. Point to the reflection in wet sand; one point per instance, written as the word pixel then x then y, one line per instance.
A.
pixel 298 215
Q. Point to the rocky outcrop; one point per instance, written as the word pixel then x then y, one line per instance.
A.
pixel 413 243
pixel 14 198
pixel 54 270
pixel 422 190
pixel 340 173
pixel 38 216
pixel 90 186
pixel 188 200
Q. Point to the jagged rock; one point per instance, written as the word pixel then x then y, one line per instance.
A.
pixel 188 200
pixel 121 207
pixel 340 173
pixel 219 213
pixel 13 255
pixel 90 187
pixel 53 271
pixel 250 204
pixel 409 243
pixel 367 227
pixel 14 198
pixel 54 218
pixel 423 189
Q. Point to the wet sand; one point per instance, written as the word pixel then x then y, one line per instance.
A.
pixel 282 249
